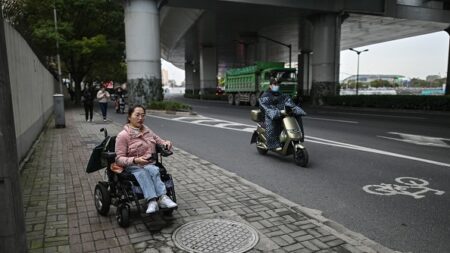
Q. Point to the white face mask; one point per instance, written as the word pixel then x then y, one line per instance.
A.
pixel 275 88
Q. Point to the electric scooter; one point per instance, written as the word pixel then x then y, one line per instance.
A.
pixel 291 137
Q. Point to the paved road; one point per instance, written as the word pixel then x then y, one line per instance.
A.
pixel 348 150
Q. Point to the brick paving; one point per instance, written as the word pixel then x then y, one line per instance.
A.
pixel 61 217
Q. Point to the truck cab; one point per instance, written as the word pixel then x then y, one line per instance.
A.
pixel 246 84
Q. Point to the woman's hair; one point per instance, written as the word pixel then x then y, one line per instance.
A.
pixel 131 110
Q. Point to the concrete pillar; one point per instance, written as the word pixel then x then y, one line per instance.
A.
pixel 304 73
pixel 143 51
pixel 189 77
pixel 208 69
pixel 241 49
pixel 191 65
pixel 12 228
pixel 251 53
pixel 305 57
pixel 326 54
pixel 447 84
pixel 262 50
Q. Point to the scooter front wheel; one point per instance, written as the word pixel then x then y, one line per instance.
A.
pixel 301 157
pixel 262 151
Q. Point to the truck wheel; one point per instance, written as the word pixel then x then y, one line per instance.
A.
pixel 237 99
pixel 253 100
pixel 230 99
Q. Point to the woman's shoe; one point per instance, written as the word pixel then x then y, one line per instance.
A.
pixel 166 202
pixel 152 207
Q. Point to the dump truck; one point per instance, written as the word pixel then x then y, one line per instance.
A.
pixel 245 85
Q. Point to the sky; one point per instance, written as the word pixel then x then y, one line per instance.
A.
pixel 414 57
pixel 174 72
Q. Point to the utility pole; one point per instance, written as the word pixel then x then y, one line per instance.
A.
pixel 447 84
pixel 57 48
pixel 12 224
pixel 357 68
pixel 289 46
pixel 58 99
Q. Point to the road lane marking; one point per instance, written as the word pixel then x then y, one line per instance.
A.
pixel 419 139
pixel 376 115
pixel 335 120
pixel 200 120
pixel 217 123
pixel 372 150
pixel 409 186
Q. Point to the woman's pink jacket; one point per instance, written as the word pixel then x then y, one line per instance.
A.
pixel 130 145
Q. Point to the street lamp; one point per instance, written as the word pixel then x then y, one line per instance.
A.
pixel 289 46
pixel 357 68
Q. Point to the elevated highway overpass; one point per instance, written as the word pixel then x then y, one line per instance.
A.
pixel 206 37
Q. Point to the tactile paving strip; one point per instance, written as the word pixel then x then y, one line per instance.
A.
pixel 215 236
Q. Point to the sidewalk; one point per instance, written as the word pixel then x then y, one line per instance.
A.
pixel 60 214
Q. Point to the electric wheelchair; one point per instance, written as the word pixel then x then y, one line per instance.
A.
pixel 122 189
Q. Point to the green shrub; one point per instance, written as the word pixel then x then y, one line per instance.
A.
pixel 169 106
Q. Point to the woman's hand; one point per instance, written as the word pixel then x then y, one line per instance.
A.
pixel 141 161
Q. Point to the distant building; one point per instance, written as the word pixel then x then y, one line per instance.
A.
pixel 164 77
pixel 397 79
pixel 432 78
pixel 171 83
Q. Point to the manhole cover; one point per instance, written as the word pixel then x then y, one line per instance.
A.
pixel 215 235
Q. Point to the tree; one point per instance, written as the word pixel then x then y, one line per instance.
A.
pixel 381 83
pixel 90 35
pixel 416 82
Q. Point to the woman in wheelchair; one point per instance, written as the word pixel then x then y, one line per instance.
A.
pixel 135 145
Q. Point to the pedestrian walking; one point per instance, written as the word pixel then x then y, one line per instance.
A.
pixel 103 98
pixel 88 97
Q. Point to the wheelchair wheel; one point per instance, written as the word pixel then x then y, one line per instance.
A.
pixel 102 199
pixel 123 215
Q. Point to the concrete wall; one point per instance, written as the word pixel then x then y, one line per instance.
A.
pixel 32 88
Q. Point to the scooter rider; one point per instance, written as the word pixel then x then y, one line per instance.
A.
pixel 271 103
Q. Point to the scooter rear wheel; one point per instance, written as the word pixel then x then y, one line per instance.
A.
pixel 301 157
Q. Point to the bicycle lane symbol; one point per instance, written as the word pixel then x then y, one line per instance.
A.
pixel 410 186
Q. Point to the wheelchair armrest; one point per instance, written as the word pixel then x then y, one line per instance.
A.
pixel 163 150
